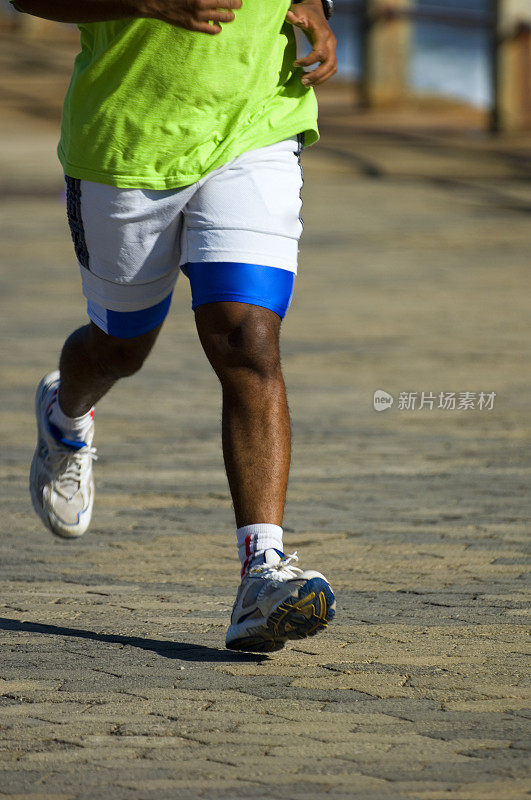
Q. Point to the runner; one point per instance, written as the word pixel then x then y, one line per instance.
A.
pixel 181 138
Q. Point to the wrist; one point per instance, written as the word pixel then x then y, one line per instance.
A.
pixel 326 7
pixel 312 3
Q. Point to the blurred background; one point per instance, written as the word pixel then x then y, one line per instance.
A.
pixel 449 47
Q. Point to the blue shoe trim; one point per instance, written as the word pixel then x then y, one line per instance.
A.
pixel 319 585
pixel 58 436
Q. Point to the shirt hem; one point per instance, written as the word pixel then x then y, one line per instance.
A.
pixel 178 181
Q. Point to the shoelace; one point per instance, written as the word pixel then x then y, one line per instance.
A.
pixel 283 570
pixel 69 467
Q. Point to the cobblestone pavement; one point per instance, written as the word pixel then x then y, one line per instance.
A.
pixel 114 679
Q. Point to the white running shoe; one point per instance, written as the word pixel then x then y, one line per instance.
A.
pixel 61 483
pixel 277 601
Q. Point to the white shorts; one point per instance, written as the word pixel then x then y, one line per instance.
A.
pixel 132 243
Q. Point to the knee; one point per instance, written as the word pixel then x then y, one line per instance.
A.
pixel 115 358
pixel 246 352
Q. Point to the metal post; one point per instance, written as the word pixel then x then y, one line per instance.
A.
pixel 365 39
pixel 495 53
pixel 511 65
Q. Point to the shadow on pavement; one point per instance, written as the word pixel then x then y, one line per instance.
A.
pixel 178 650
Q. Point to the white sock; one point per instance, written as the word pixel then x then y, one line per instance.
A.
pixel 253 540
pixel 74 429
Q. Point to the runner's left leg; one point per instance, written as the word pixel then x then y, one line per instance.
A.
pixel 276 601
pixel 241 342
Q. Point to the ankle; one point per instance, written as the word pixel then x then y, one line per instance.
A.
pixel 71 428
pixel 255 539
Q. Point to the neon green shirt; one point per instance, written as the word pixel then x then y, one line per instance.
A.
pixel 155 106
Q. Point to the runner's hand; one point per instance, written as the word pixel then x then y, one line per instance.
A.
pixel 308 15
pixel 194 15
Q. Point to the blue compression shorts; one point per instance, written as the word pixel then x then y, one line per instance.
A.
pixel 211 282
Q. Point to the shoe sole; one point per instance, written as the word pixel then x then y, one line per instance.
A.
pixel 294 618
pixel 42 388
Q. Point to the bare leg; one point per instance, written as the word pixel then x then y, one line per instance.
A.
pixel 241 342
pixel 91 363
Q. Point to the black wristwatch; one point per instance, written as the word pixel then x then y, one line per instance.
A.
pixel 328 7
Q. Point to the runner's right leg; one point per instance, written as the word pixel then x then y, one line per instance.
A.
pixel 61 483
pixel 127 246
pixel 92 361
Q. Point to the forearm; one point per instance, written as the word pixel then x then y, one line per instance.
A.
pixel 81 10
